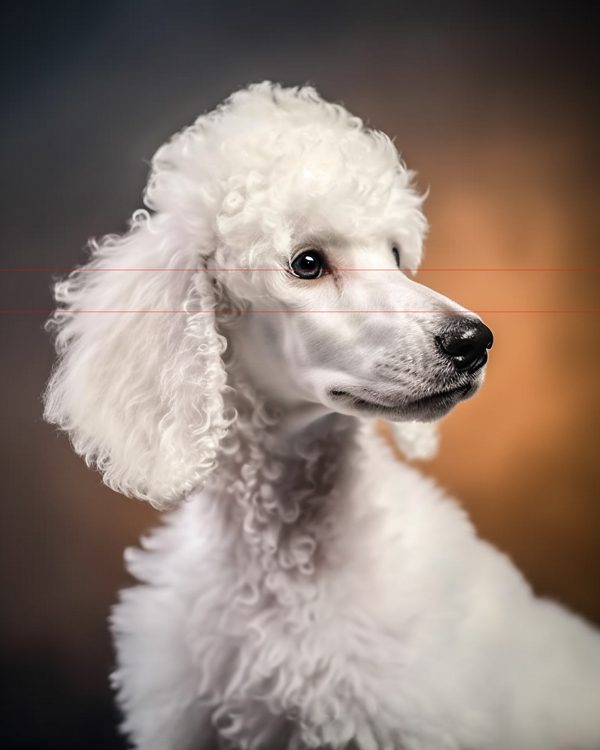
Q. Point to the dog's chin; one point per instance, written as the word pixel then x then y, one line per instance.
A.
pixel 426 408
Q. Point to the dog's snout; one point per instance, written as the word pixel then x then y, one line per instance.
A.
pixel 466 341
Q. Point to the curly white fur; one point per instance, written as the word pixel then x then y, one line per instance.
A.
pixel 316 592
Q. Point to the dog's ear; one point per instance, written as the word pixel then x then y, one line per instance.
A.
pixel 140 380
pixel 416 440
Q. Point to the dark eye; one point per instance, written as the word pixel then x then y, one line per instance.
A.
pixel 309 265
pixel 396 254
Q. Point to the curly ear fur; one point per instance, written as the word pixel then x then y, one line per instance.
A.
pixel 141 393
pixel 417 440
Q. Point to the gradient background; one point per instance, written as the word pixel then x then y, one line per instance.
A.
pixel 497 110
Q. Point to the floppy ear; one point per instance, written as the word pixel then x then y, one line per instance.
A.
pixel 140 380
pixel 417 440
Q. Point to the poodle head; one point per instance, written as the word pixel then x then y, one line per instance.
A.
pixel 323 222
pixel 277 202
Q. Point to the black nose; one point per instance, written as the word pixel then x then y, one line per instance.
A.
pixel 466 341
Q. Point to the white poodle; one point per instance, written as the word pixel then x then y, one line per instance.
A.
pixel 243 338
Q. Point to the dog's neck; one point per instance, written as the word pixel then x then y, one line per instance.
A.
pixel 280 484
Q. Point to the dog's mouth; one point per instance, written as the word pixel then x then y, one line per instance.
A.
pixel 421 408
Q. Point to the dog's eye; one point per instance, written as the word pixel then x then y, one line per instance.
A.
pixel 309 265
pixel 396 254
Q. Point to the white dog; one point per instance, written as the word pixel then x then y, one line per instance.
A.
pixel 316 592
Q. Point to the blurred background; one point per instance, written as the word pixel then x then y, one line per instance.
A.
pixel 495 105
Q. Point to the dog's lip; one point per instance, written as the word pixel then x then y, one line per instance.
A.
pixel 360 403
pixel 438 397
pixel 463 391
